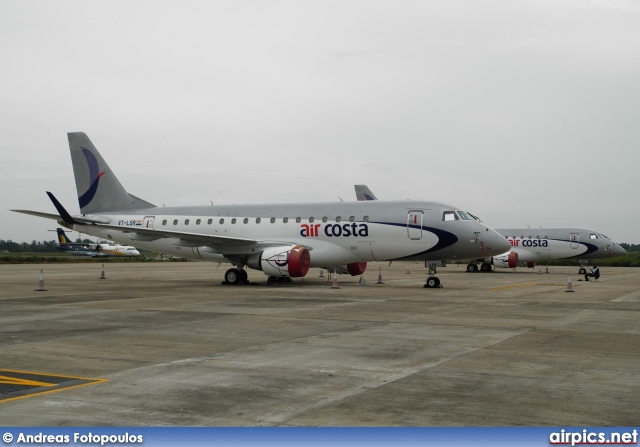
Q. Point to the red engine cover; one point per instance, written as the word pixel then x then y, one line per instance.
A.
pixel 513 260
pixel 299 261
pixel 356 268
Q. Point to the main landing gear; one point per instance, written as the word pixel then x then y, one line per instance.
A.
pixel 236 276
pixel 471 268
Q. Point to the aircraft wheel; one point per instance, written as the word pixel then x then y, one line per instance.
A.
pixel 432 283
pixel 485 268
pixel 233 276
pixel 472 268
pixel 582 271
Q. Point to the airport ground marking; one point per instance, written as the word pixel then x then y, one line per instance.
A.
pixel 22 384
pixel 530 284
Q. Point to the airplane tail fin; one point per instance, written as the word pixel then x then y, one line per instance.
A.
pixel 364 193
pixel 62 237
pixel 98 188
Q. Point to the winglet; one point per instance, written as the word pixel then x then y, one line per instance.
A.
pixel 63 213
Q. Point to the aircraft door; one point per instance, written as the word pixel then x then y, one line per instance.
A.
pixel 148 222
pixel 414 224
pixel 574 240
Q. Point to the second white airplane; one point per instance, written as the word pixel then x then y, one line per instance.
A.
pixel 531 245
pixel 281 240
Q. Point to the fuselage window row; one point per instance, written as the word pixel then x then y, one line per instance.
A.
pixel 271 220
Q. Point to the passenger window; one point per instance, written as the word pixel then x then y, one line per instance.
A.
pixel 221 221
pixel 210 221
pixel 365 219
pixel 311 219
pixel 298 219
pixel 449 215
pixel 164 222
pixel 175 222
pixel 338 218
pixel 233 221
pixel 258 220
pixel 245 220
pixel 324 219
pixel 352 218
pixel 273 220
pixel 186 221
pixel 285 220
pixel 198 222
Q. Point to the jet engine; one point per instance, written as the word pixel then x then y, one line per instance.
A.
pixel 507 260
pixel 353 269
pixel 286 261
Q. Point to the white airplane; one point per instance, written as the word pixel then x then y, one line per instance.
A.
pixel 281 240
pixel 531 245
pixel 94 250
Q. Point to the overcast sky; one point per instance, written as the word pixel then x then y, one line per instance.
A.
pixel 525 113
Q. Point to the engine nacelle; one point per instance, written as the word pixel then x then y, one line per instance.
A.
pixel 287 261
pixel 507 260
pixel 353 269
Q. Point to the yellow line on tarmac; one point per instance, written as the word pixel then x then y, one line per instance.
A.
pixel 24 382
pixel 513 286
pixel 532 284
pixel 6 378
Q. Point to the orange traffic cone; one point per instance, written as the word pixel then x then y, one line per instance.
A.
pixel 334 285
pixel 41 283
pixel 380 276
pixel 569 285
pixel 102 274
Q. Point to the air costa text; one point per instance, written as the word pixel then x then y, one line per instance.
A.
pixel 529 242
pixel 335 230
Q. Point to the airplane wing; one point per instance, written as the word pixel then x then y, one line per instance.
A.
pixel 197 239
pixel 57 216
pixel 222 244
pixel 225 245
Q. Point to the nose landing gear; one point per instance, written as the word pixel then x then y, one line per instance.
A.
pixel 432 281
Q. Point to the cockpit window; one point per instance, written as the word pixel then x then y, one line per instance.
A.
pixel 465 216
pixel 602 236
pixel 593 236
pixel 449 215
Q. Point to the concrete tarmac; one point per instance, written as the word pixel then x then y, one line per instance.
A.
pixel 174 347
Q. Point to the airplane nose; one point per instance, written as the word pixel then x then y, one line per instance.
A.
pixel 618 250
pixel 494 243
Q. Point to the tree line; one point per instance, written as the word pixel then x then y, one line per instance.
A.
pixel 33 247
